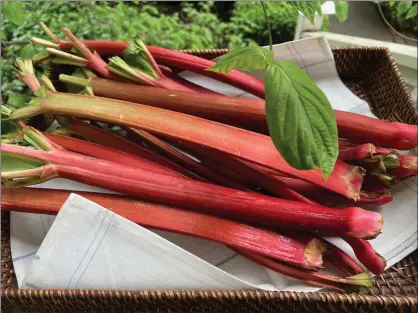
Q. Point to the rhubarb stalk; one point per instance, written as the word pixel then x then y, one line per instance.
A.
pixel 111 140
pixel 195 166
pixel 194 195
pixel 25 73
pixel 312 277
pixel 269 183
pixel 364 251
pixel 250 113
pixel 345 179
pixel 407 167
pixel 298 250
pixel 177 59
pixel 98 151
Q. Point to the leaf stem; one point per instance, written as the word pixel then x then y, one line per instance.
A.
pixel 268 24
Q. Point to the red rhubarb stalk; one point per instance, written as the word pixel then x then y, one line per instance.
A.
pixel 25 73
pixel 195 195
pixel 407 167
pixel 184 82
pixel 102 152
pixel 103 47
pixel 95 61
pixel 269 183
pixel 111 140
pixel 185 160
pixel 356 152
pixel 250 113
pixel 311 277
pixel 342 260
pixel 364 251
pixel 328 198
pixel 222 169
pixel 299 250
pixel 183 61
pixel 334 255
pixel 278 187
pixel 345 179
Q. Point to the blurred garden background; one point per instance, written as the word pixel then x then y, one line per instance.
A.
pixel 171 24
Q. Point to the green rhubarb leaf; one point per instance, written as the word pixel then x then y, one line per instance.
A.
pixel 403 7
pixel 27 52
pixel 307 8
pixel 136 55
pixel 12 163
pixel 246 59
pixel 300 118
pixel 17 101
pixel 13 11
pixel 412 13
pixel 341 10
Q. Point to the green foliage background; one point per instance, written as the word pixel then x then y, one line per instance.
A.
pixel 192 25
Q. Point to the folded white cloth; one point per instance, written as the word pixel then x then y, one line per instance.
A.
pixel 399 237
pixel 89 246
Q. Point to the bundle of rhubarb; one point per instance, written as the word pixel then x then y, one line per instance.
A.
pixel 185 159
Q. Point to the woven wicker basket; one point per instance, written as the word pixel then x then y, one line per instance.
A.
pixel 370 73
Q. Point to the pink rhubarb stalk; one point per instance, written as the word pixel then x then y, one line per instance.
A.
pixel 26 74
pixel 341 260
pixel 360 152
pixel 269 183
pixel 299 250
pixel 407 168
pixel 328 198
pixel 311 277
pixel 213 199
pixel 98 151
pixel 95 61
pixel 111 140
pixel 180 60
pixel 250 113
pixel 184 82
pixel 193 165
pixel 364 251
pixel 344 179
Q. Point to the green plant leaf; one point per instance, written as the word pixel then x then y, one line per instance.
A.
pixel 412 13
pixel 136 56
pixel 403 7
pixel 300 118
pixel 246 59
pixel 27 52
pixel 13 11
pixel 341 10
pixel 307 8
pixel 17 101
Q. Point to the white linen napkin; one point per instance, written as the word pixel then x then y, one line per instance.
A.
pixel 399 237
pixel 89 246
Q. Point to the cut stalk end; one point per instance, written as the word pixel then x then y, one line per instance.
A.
pixel 313 253
pixel 365 224
pixel 44 43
